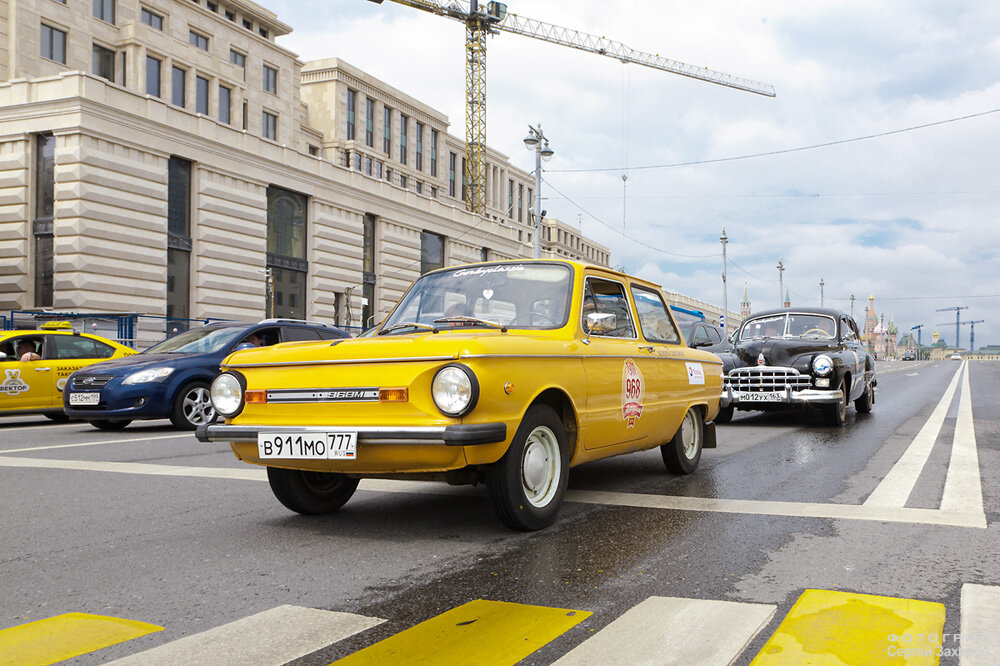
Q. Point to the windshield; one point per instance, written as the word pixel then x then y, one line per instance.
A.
pixel 515 295
pixel 198 341
pixel 791 325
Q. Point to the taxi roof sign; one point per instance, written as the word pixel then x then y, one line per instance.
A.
pixel 54 325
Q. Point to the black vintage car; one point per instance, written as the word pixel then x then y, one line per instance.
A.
pixel 798 357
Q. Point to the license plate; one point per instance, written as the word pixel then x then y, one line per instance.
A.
pixel 309 446
pixel 759 396
pixel 84 398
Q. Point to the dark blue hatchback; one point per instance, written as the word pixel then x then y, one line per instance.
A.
pixel 172 379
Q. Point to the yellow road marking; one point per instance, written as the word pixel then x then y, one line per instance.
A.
pixel 486 633
pixel 65 636
pixel 836 628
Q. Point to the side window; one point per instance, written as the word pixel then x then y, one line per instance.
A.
pixel 654 319
pixel 715 334
pixel 607 297
pixel 76 347
pixel 846 330
pixel 329 335
pixel 298 334
pixel 701 334
pixel 18 347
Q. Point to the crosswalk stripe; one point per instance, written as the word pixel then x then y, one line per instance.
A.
pixel 895 488
pixel 829 627
pixel 275 636
pixel 963 487
pixel 662 631
pixel 66 636
pixel 978 643
pixel 481 632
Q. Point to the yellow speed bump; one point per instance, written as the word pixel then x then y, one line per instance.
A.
pixel 837 628
pixel 486 633
pixel 65 636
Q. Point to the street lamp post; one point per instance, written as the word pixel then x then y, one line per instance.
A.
pixel 536 141
pixel 821 292
pixel 725 295
pixel 781 283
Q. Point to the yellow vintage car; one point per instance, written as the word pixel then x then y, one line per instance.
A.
pixel 507 373
pixel 35 365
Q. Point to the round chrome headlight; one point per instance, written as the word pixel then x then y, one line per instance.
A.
pixel 822 365
pixel 227 394
pixel 455 390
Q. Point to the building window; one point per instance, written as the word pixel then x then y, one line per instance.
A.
pixel 387 131
pixel 368 165
pixel 313 150
pixel 178 243
pixel 262 32
pixel 418 186
pixel 434 153
pixel 520 202
pixel 201 41
pixel 42 226
pixel 104 62
pixel 151 19
pixel 420 147
pixel 510 199
pixel 403 122
pixel 465 178
pixel 105 10
pixel 177 87
pixel 53 44
pixel 212 7
pixel 452 157
pixel 286 251
pixel 231 15
pixel 269 126
pixel 270 80
pixel 403 181
pixel 368 270
pixel 352 100
pixel 201 95
pixel 237 58
pixel 225 105
pixel 248 24
pixel 434 192
pixel 152 76
pixel 484 254
pixel 369 122
pixel 431 251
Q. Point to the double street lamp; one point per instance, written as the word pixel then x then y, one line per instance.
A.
pixel 536 141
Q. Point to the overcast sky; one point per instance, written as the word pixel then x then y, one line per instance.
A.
pixel 910 218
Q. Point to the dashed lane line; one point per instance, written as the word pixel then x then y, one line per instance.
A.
pixel 963 487
pixel 668 631
pixel 669 502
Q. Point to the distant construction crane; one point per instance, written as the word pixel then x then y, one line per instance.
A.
pixel 972 332
pixel 958 314
pixel 494 18
pixel 918 328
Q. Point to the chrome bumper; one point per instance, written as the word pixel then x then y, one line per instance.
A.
pixel 451 435
pixel 788 396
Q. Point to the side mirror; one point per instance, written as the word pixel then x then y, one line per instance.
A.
pixel 601 322
pixel 700 343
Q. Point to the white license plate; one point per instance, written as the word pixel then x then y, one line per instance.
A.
pixel 759 396
pixel 309 446
pixel 84 398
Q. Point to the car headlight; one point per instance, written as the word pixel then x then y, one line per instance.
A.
pixel 455 390
pixel 227 394
pixel 147 376
pixel 822 365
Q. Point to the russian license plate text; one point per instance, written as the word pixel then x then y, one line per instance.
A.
pixel 309 446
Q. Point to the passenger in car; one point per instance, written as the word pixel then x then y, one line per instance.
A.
pixel 26 351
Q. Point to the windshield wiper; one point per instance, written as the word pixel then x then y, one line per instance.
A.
pixel 406 324
pixel 461 319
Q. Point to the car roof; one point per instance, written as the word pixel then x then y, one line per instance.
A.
pixel 576 265
pixel 818 311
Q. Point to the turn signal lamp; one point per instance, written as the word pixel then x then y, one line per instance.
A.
pixel 255 397
pixel 393 394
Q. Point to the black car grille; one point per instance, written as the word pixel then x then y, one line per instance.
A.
pixel 90 381
pixel 766 378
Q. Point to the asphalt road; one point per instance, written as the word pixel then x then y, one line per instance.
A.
pixel 153 526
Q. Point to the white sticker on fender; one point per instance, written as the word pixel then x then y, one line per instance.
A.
pixel 696 373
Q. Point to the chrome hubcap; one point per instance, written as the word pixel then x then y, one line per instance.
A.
pixel 540 466
pixel 689 437
pixel 198 408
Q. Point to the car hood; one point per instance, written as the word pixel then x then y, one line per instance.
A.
pixel 777 351
pixel 136 362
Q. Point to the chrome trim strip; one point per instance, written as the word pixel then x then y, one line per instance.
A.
pixel 343 361
pixel 458 358
pixel 333 394
pixel 587 356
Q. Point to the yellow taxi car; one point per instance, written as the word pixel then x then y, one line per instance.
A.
pixel 36 364
pixel 507 373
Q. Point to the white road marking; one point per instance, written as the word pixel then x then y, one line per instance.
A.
pixel 43 426
pixel 275 636
pixel 963 487
pixel 980 642
pixel 101 443
pixel 912 374
pixel 668 630
pixel 895 488
pixel 666 502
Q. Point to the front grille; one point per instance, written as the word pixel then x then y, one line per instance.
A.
pixel 82 382
pixel 766 378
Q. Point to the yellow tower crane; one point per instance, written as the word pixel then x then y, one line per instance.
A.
pixel 481 21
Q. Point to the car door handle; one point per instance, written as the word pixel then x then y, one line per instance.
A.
pixel 647 348
pixel 42 369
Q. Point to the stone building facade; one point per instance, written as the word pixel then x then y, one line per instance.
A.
pixel 168 157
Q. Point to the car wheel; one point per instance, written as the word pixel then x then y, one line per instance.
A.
pixel 682 454
pixel 193 406
pixel 865 401
pixel 310 493
pixel 527 485
pixel 58 417
pixel 835 415
pixel 725 415
pixel 111 424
